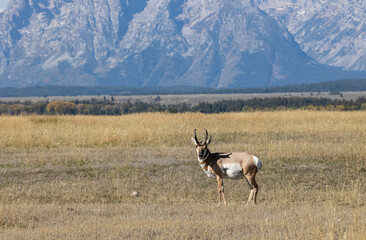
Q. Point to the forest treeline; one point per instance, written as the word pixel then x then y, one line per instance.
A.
pixel 45 91
pixel 111 107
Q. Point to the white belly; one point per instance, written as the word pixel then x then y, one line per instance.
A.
pixel 232 171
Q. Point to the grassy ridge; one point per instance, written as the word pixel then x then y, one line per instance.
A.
pixel 277 135
pixel 71 177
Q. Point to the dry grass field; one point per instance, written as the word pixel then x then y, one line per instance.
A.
pixel 71 177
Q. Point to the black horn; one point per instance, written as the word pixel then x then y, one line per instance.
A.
pixel 206 138
pixel 195 136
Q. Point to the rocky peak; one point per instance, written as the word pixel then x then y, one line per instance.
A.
pixel 332 32
pixel 159 42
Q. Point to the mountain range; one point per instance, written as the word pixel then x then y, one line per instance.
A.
pixel 205 43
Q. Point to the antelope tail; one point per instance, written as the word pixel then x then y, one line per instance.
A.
pixel 257 162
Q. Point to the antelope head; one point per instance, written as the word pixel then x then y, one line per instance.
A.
pixel 201 146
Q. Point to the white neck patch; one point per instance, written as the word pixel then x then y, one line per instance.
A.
pixel 208 172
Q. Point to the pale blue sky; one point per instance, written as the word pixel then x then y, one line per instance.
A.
pixel 3 4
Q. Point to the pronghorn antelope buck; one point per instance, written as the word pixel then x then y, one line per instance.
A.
pixel 236 165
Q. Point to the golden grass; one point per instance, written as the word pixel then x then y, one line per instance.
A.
pixel 121 221
pixel 71 177
pixel 297 134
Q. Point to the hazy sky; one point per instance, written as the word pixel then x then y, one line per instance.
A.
pixel 3 4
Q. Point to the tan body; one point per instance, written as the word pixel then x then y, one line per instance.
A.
pixel 237 165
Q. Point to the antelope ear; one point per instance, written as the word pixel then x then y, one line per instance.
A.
pixel 194 141
pixel 208 140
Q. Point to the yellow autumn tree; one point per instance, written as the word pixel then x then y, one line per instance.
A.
pixel 61 108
